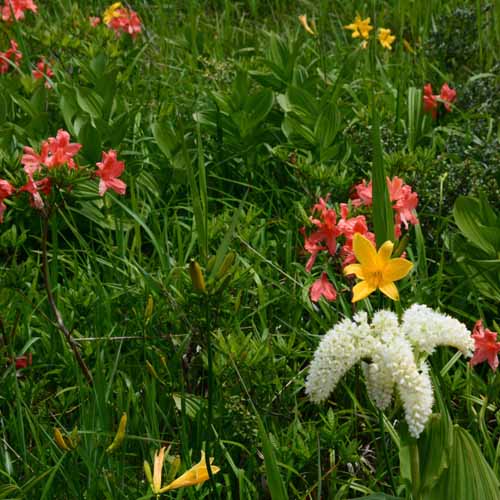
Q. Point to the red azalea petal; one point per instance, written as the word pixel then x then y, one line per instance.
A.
pixel 322 288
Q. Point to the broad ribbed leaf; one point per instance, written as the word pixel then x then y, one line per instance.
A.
pixel 377 496
pixel 434 447
pixel 258 106
pixel 468 476
pixel 467 213
pixel 166 138
pixel 326 127
pixel 89 101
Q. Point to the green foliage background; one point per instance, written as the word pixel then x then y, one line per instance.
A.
pixel 231 121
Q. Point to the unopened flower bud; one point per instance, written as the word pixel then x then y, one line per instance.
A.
pixel 148 473
pixel 120 435
pixel 226 264
pixel 60 441
pixel 197 277
pixel 149 309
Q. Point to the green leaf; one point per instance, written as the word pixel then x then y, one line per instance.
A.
pixel 471 215
pixel 89 101
pixel 303 104
pixel 327 126
pixel 434 447
pixel 166 138
pixel 382 212
pixel 224 245
pixel 69 108
pixel 258 106
pixel 274 479
pixel 378 496
pixel 90 137
pixel 468 475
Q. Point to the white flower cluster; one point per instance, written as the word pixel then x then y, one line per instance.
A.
pixel 426 329
pixel 391 347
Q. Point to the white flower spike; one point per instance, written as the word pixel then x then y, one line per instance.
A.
pixel 393 349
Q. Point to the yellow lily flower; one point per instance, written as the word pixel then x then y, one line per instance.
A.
pixel 376 269
pixel 111 13
pixel 385 38
pixel 198 474
pixel 360 27
pixel 305 24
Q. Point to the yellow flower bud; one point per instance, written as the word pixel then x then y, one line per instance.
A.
pixel 73 439
pixel 226 264
pixel 197 277
pixel 148 473
pixel 59 439
pixel 149 309
pixel 120 435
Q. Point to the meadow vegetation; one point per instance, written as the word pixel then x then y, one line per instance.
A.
pixel 192 193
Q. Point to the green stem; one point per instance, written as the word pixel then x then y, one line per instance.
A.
pixel 386 453
pixel 415 471
pixel 210 398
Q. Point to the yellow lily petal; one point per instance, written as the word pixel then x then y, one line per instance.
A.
pixel 385 251
pixel 396 269
pixel 356 269
pixel 361 291
pixel 110 12
pixel 390 290
pixel 365 251
pixel 158 469
pixel 196 475
pixel 305 24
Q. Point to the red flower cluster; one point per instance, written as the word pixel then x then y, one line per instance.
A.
pixel 431 101
pixel 486 346
pixel 56 152
pixel 405 201
pixel 18 8
pixel 328 230
pixel 9 57
pixel 125 21
pixel 43 71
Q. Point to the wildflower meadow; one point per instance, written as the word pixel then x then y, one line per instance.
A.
pixel 250 249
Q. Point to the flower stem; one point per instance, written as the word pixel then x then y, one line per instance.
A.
pixel 210 396
pixel 415 470
pixel 52 303
pixel 384 449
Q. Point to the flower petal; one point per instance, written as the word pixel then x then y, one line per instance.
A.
pixel 361 291
pixel 390 290
pixel 158 469
pixel 196 475
pixel 396 269
pixel 356 269
pixel 365 251
pixel 385 251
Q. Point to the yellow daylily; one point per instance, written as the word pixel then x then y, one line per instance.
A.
pixel 305 24
pixel 111 12
pixel 198 474
pixel 376 269
pixel 360 27
pixel 385 38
